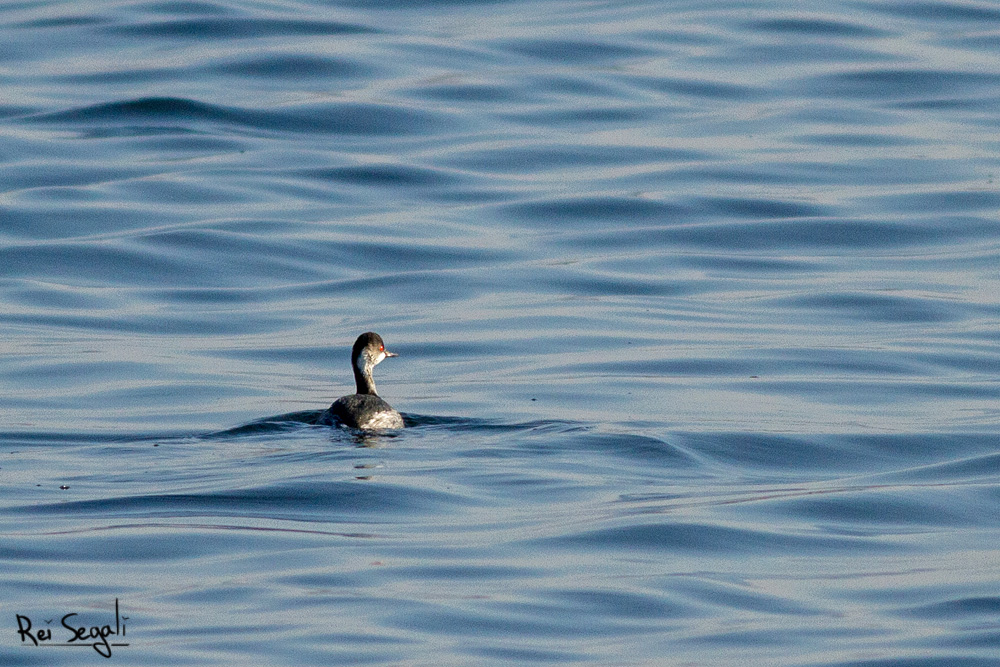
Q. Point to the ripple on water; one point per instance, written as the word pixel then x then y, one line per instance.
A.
pixel 169 114
pixel 234 27
pixel 709 541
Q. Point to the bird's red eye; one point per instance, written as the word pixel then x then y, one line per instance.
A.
pixel 381 348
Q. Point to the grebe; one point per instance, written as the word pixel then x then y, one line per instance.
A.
pixel 365 409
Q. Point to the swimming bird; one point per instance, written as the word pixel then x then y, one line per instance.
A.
pixel 364 410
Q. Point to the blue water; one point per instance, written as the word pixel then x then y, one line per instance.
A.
pixel 697 307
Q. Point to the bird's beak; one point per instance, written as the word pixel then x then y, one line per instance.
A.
pixel 390 354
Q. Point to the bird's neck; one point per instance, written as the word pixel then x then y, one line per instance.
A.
pixel 363 379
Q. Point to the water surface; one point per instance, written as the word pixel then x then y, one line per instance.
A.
pixel 696 306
